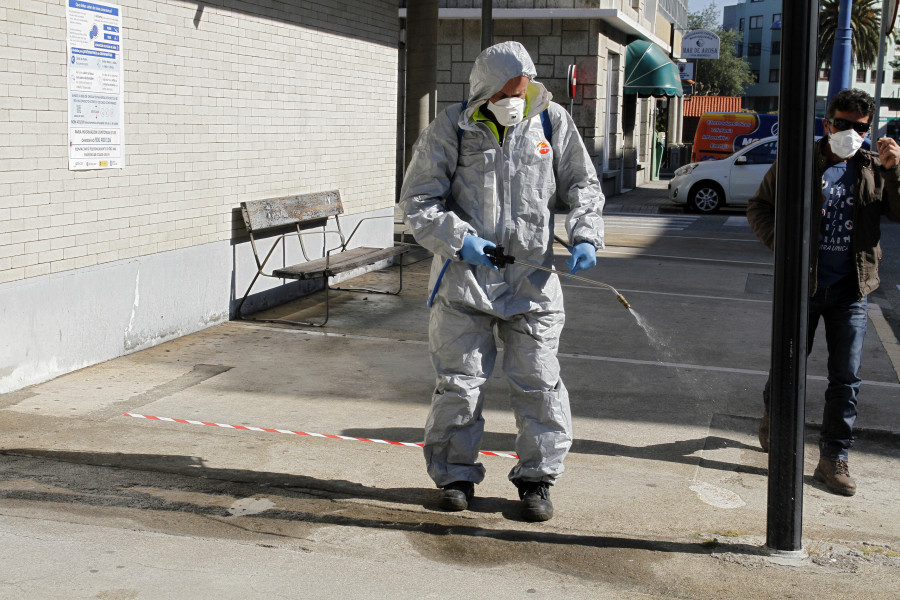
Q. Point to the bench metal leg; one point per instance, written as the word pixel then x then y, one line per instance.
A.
pixel 328 288
pixel 243 317
pixel 247 293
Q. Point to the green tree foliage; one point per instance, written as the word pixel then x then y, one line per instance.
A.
pixel 865 23
pixel 727 75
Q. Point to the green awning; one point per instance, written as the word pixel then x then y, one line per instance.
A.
pixel 649 72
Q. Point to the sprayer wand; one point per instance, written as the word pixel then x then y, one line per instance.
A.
pixel 500 260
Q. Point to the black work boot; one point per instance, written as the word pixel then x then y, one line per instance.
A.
pixel 835 474
pixel 535 497
pixel 455 496
pixel 764 432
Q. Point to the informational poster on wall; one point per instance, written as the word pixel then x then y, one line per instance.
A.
pixel 95 82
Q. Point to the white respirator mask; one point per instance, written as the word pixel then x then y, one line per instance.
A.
pixel 508 111
pixel 845 144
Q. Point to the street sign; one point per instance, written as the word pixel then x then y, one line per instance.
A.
pixel 700 43
pixel 572 78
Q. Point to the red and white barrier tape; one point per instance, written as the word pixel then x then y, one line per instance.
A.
pixel 291 432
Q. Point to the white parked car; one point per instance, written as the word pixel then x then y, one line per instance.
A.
pixel 708 186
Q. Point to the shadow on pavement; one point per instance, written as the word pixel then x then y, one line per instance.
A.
pixel 680 452
pixel 141 481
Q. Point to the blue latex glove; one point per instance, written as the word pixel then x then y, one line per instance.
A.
pixel 584 256
pixel 473 251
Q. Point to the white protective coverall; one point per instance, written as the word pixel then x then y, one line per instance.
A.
pixel 505 194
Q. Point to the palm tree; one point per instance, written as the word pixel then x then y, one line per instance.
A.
pixel 865 23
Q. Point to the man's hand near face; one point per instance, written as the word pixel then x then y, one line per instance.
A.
pixel 889 152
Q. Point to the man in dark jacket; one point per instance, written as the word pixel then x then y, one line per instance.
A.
pixel 858 187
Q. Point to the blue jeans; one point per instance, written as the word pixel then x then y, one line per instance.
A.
pixel 845 318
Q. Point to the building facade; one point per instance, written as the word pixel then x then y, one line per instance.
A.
pixel 224 101
pixel 593 35
pixel 759 21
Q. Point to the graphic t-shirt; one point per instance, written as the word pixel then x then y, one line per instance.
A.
pixel 838 196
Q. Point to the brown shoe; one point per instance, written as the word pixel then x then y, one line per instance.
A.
pixel 764 432
pixel 835 474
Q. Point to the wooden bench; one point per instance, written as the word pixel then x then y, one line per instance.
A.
pixel 304 215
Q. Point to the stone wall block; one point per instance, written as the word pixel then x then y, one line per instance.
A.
pixel 549 44
pixel 575 42
pixel 537 26
pixel 450 31
pixel 507 27
pixel 449 93
pixel 461 72
pixel 471 39
pixel 561 67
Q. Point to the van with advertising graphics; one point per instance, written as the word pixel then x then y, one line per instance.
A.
pixel 721 134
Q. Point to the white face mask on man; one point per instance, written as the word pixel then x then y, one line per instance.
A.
pixel 845 144
pixel 508 111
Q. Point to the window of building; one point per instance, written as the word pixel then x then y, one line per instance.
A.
pixel 874 77
pixel 861 75
pixel 756 22
pixel 755 76
pixel 896 76
pixel 776 48
pixel 773 75
pixel 754 49
pixel 776 17
pixel 824 74
pixel 741 25
pixel 739 49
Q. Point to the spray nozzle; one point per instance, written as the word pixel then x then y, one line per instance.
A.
pixel 498 258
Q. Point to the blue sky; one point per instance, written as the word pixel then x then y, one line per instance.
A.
pixel 698 5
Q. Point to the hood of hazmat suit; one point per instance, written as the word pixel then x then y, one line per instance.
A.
pixel 505 193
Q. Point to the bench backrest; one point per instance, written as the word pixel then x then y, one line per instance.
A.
pixel 271 213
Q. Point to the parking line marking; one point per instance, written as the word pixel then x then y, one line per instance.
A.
pixel 659 363
pixel 715 260
pixel 624 291
pixel 692 237
pixel 633 361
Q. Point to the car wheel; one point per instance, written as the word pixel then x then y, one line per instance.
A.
pixel 706 197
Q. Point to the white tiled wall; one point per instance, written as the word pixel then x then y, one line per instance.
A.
pixel 228 102
pixel 225 101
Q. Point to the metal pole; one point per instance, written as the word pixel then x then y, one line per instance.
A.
pixel 886 16
pixel 794 188
pixel 487 23
pixel 841 52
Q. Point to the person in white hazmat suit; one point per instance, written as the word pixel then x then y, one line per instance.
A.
pixel 483 176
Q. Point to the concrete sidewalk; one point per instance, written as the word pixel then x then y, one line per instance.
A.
pixel 664 494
